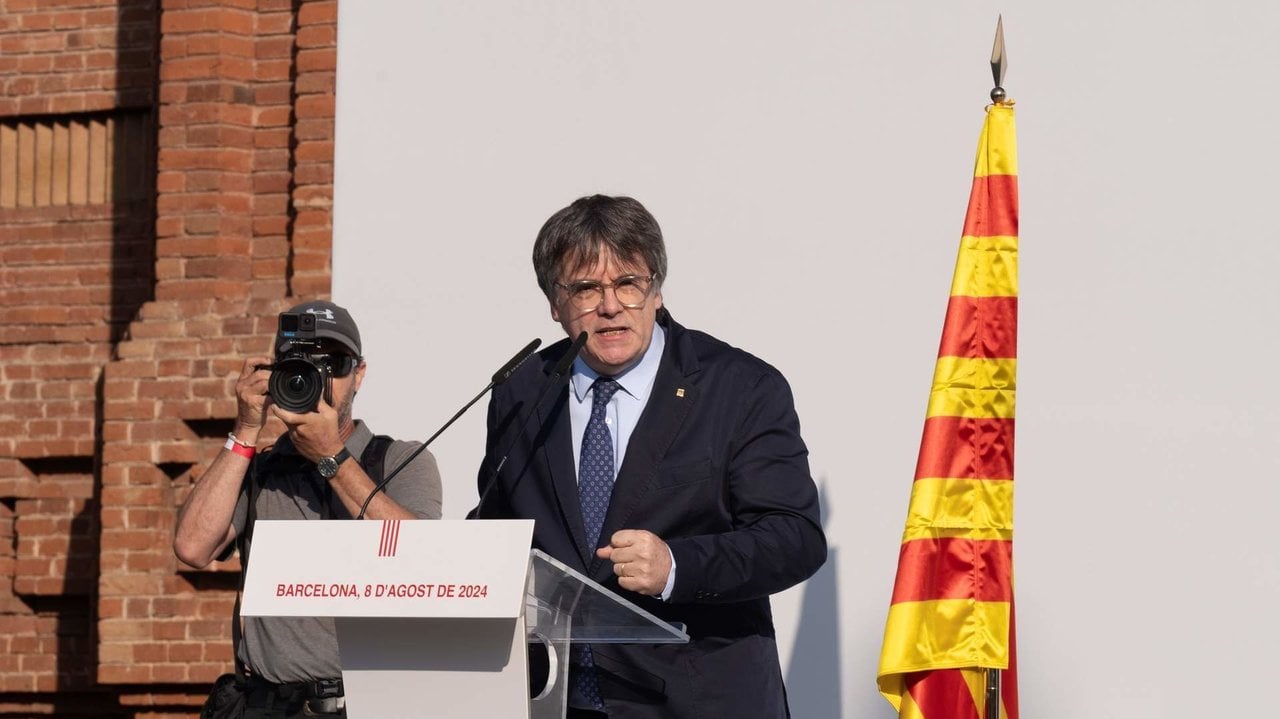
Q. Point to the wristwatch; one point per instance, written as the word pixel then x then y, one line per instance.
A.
pixel 328 466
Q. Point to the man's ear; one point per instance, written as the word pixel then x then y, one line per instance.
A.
pixel 555 311
pixel 359 376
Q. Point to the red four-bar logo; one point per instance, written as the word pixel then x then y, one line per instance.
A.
pixel 390 538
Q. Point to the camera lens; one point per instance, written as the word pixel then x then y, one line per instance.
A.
pixel 296 385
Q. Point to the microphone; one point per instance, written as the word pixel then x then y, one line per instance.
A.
pixel 502 375
pixel 558 374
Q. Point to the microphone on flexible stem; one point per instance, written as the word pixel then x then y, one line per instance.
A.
pixel 502 375
pixel 556 379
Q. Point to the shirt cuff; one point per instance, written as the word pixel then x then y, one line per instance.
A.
pixel 671 578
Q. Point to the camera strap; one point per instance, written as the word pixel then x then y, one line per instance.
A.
pixel 374 457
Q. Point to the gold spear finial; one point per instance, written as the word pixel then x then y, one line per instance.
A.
pixel 999 61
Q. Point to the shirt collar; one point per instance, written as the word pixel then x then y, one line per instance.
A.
pixel 634 380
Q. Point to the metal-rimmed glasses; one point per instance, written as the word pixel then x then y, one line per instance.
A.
pixel 632 292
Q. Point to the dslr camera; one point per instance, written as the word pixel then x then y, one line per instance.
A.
pixel 301 373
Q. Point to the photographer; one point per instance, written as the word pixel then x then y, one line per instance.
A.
pixel 323 467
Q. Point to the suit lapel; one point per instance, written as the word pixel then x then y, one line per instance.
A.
pixel 558 454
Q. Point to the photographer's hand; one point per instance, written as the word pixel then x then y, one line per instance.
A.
pixel 314 434
pixel 317 434
pixel 251 399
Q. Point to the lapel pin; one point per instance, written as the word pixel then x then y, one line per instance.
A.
pixel 680 391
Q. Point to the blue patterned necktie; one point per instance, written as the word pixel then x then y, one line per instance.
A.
pixel 595 485
pixel 595 465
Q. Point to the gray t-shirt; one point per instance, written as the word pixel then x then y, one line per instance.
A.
pixel 294 649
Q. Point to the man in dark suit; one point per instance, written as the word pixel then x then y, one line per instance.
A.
pixel 671 470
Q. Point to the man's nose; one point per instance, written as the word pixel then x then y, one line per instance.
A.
pixel 609 304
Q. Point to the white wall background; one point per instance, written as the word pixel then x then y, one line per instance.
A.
pixel 810 163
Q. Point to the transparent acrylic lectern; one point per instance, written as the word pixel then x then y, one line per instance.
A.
pixel 564 607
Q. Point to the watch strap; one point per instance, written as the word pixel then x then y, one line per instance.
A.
pixel 342 456
pixel 328 466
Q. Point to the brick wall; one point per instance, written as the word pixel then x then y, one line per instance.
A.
pixel 123 325
pixel 75 56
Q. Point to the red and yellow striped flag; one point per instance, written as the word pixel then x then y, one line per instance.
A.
pixel 951 615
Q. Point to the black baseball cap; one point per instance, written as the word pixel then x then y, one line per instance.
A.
pixel 332 322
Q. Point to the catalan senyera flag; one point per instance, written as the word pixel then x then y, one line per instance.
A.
pixel 951 616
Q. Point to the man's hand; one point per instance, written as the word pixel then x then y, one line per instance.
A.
pixel 640 559
pixel 315 434
pixel 251 399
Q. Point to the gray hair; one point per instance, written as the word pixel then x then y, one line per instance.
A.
pixel 576 235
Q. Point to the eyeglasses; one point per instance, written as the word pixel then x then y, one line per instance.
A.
pixel 631 290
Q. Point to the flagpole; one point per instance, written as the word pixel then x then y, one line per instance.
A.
pixel 991 709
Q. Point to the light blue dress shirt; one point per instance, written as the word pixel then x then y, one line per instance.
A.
pixel 624 408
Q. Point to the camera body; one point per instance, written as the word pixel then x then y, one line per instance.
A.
pixel 298 381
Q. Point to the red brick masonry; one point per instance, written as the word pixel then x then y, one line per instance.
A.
pixel 123 324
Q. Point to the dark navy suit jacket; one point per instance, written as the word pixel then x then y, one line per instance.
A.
pixel 716 468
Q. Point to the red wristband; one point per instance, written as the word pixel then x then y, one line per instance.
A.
pixel 243 450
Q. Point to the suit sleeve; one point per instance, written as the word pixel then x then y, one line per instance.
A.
pixel 776 539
